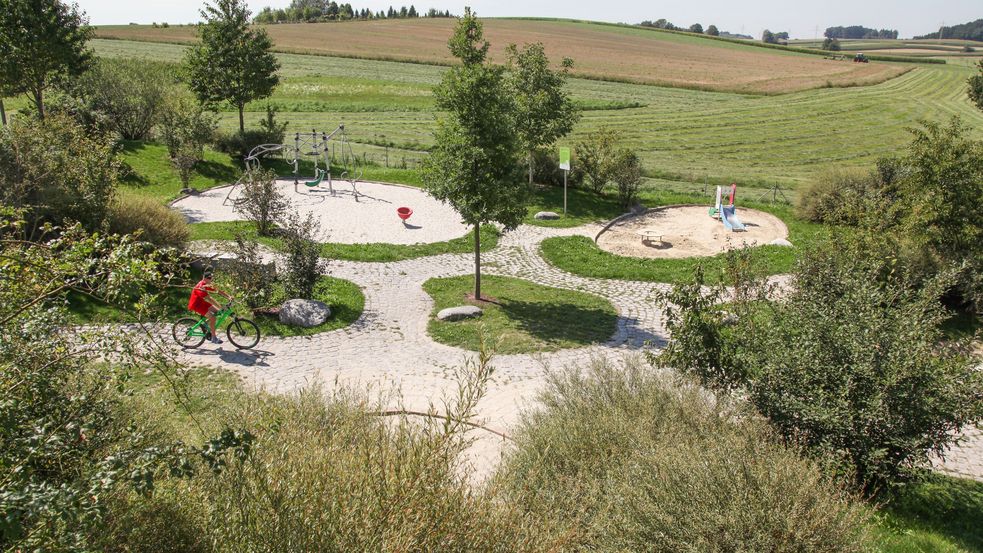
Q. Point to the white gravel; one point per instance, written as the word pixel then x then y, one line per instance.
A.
pixel 371 219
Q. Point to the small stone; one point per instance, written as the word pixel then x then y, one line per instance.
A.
pixel 780 242
pixel 458 313
pixel 729 319
pixel 546 216
pixel 304 313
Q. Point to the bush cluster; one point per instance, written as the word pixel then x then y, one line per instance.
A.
pixel 849 362
pixel 239 144
pixel 155 222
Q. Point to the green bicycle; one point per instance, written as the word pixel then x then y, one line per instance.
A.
pixel 191 333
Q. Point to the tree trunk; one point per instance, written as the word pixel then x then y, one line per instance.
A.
pixel 530 168
pixel 477 261
pixel 39 103
pixel 3 113
pixel 242 126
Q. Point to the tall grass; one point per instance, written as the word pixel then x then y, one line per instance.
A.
pixel 649 463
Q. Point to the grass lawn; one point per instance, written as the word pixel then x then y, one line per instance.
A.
pixel 344 297
pixel 579 255
pixel 524 318
pixel 942 514
pixel 153 175
pixel 227 230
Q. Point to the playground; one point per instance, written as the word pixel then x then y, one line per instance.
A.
pixel 370 219
pixel 687 231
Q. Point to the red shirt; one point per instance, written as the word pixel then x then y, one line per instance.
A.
pixel 197 302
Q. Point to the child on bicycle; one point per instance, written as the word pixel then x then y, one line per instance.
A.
pixel 202 303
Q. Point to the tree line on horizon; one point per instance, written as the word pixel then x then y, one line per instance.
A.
pixel 966 31
pixel 696 28
pixel 312 11
pixel 859 32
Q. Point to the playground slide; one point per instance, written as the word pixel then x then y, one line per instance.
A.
pixel 729 216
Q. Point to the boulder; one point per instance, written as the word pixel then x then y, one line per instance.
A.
pixel 780 242
pixel 546 216
pixel 304 313
pixel 458 313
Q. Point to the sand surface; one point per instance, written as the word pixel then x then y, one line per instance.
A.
pixel 688 231
pixel 344 220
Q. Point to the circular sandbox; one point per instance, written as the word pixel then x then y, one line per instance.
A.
pixel 371 219
pixel 688 231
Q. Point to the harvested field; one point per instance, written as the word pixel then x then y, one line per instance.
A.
pixel 600 51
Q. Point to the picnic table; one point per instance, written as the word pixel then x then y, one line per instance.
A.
pixel 649 235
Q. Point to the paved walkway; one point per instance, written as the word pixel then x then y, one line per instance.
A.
pixel 388 351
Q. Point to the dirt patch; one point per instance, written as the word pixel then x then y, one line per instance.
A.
pixel 688 231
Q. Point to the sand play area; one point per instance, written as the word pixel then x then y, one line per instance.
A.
pixel 344 220
pixel 688 231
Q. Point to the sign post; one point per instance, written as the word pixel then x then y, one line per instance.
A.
pixel 565 165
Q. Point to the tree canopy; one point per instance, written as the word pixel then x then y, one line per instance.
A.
pixel 233 62
pixel 42 43
pixel 976 87
pixel 858 32
pixel 473 164
pixel 544 111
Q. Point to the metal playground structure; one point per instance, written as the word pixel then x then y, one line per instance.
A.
pixel 317 146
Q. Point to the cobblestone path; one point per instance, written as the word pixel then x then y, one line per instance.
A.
pixel 388 351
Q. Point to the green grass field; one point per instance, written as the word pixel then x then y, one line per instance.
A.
pixel 523 317
pixel 685 135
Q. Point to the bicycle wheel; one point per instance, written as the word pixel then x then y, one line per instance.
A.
pixel 189 333
pixel 243 333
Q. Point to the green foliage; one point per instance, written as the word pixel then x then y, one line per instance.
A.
pixel 544 112
pixel 186 127
pixel 239 144
pixel 126 96
pixel 523 318
pixel 768 37
pixel 155 222
pixel 637 461
pixel 58 170
pixel 42 43
pixel 849 362
pixel 302 264
pixel 626 172
pixel 473 162
pixel 261 201
pixel 234 62
pixel 252 277
pixel 68 448
pixel 845 197
pixel 712 31
pixel 596 157
pixel 831 45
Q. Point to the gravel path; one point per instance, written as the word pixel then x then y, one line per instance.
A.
pixel 387 350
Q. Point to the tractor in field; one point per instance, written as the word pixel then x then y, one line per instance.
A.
pixel 860 58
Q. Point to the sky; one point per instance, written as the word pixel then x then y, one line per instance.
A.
pixel 802 19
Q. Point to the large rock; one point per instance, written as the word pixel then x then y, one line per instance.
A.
pixel 781 242
pixel 458 313
pixel 304 313
pixel 546 216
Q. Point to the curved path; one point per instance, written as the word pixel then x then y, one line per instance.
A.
pixel 388 352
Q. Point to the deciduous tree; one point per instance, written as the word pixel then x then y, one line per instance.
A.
pixel 233 62
pixel 712 31
pixel 473 162
pixel 544 111
pixel 42 43
pixel 976 87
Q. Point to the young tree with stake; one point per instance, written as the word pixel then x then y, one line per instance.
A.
pixel 544 111
pixel 233 63
pixel 474 159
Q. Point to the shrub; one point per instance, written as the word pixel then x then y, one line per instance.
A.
pixel 58 169
pixel 127 96
pixel 254 279
pixel 831 45
pixel 626 172
pixel 843 197
pixel 185 128
pixel 850 362
pixel 640 462
pixel 239 144
pixel 302 265
pixel 261 202
pixel 595 155
pixel 156 223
